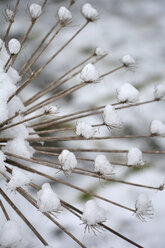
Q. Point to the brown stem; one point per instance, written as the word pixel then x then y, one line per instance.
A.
pixel 4 211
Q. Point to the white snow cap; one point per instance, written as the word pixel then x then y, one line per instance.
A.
pixel 47 199
pixel 14 46
pixel 144 208
pixel 67 160
pixel 18 179
pixel 128 60
pixel 35 10
pixel 103 166
pixel 127 93
pixel 111 117
pixel 64 15
pixel 159 91
pixel 157 127
pixel 85 130
pixel 89 74
pixel 135 157
pixel 100 52
pixel 90 13
pixel 51 109
pixel 10 235
pixel 9 14
pixel 93 214
pixel 2 160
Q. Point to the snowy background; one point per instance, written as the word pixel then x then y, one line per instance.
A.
pixel 133 27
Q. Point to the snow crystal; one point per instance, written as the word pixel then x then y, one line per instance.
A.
pixel 103 166
pixel 135 157
pixel 10 235
pixel 93 214
pixel 14 46
pixel 159 91
pixel 157 127
pixel 89 74
pixel 2 160
pixel 47 199
pixel 67 160
pixel 35 10
pixel 85 130
pixel 100 52
pixel 127 93
pixel 64 15
pixel 18 179
pixel 90 13
pixel 111 117
pixel 144 208
pixel 128 60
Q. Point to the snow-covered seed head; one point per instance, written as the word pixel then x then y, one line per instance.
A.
pixel 89 74
pixel 51 110
pixel 2 160
pixel 111 118
pixel 85 130
pixel 64 15
pixel 47 199
pixel 143 208
pixel 9 14
pixel 128 60
pixel 68 161
pixel 135 157
pixel 10 235
pixel 100 52
pixel 157 127
pixel 90 13
pixel 127 93
pixel 35 10
pixel 18 179
pixel 103 166
pixel 93 214
pixel 14 46
pixel 159 91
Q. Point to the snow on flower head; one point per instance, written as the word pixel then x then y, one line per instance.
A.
pixel 128 60
pixel 47 199
pixel 64 15
pixel 68 161
pixel 159 91
pixel 18 179
pixel 10 235
pixel 89 74
pixel 135 157
pixel 2 160
pixel 14 46
pixel 111 117
pixel 103 166
pixel 51 110
pixel 9 14
pixel 100 52
pixel 93 214
pixel 157 127
pixel 127 93
pixel 85 130
pixel 143 207
pixel 35 10
pixel 90 13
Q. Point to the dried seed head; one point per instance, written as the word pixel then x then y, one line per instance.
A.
pixel 103 166
pixel 35 10
pixel 127 93
pixel 89 74
pixel 85 130
pixel 157 127
pixel 14 46
pixel 90 13
pixel 100 52
pixel 68 161
pixel 135 157
pixel 159 91
pixel 128 61
pixel 111 117
pixel 64 15
pixel 143 207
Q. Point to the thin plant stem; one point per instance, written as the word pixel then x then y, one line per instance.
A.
pixel 4 211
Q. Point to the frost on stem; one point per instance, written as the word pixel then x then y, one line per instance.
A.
pixel 89 74
pixel 10 236
pixel 14 46
pixel 135 157
pixel 85 130
pixel 127 93
pixel 128 61
pixel 2 160
pixel 103 166
pixel 93 215
pixel 111 118
pixel 143 207
pixel 159 91
pixel 47 199
pixel 68 161
pixel 18 179
pixel 90 13
pixel 157 127
pixel 64 15
pixel 35 10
